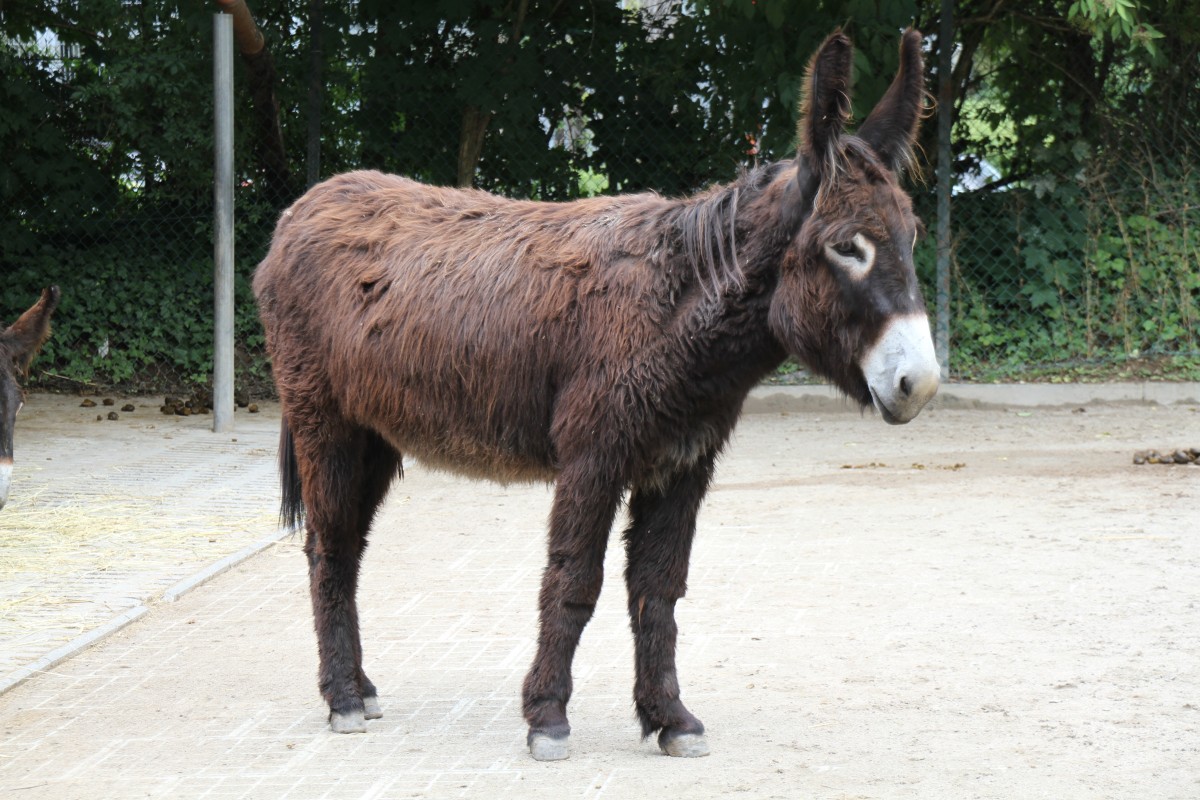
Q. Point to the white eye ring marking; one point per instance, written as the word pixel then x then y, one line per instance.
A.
pixel 855 257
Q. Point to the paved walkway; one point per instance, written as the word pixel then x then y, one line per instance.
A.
pixel 107 515
pixel 980 604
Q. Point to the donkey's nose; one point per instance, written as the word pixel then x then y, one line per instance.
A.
pixel 915 388
pixel 901 369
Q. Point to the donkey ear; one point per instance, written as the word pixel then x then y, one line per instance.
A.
pixel 31 330
pixel 891 128
pixel 826 106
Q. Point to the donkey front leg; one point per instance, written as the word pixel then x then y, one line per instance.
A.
pixel 658 544
pixel 580 520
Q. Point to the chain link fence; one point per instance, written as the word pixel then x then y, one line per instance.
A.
pixel 1090 273
pixel 130 247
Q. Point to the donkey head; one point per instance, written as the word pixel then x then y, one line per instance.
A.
pixel 18 345
pixel 848 303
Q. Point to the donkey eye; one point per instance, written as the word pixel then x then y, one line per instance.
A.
pixel 855 256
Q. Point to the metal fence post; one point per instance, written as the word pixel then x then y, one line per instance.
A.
pixel 223 223
pixel 945 177
pixel 316 57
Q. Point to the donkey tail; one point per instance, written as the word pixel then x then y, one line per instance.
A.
pixel 291 506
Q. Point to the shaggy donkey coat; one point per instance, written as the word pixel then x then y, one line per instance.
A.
pixel 604 344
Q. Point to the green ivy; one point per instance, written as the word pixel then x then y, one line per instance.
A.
pixel 134 320
pixel 1073 273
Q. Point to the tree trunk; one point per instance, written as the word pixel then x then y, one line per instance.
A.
pixel 475 120
pixel 470 143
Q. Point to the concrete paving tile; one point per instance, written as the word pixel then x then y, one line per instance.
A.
pixel 1020 627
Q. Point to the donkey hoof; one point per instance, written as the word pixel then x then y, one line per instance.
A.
pixel 685 745
pixel 371 709
pixel 547 748
pixel 350 722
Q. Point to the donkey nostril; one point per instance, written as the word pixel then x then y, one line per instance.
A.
pixel 905 386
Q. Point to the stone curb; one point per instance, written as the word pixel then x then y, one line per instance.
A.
pixel 80 643
pixel 822 397
pixel 224 565
pixel 21 674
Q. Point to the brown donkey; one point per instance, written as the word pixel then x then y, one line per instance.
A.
pixel 605 344
pixel 19 343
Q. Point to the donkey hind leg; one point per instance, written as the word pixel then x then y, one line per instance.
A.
pixel 580 520
pixel 658 543
pixel 381 466
pixel 342 490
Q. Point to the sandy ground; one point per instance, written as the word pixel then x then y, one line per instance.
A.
pixel 984 603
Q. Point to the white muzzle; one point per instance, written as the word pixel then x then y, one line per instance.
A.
pixel 5 480
pixel 901 369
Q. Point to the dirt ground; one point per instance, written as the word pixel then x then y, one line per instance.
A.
pixel 987 602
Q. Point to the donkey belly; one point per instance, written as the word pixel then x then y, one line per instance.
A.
pixel 473 456
pixel 480 426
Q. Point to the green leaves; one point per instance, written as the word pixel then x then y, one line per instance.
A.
pixel 1118 19
pixel 106 184
pixel 141 321
pixel 1086 274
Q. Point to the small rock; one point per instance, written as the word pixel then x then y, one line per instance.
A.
pixel 88 403
pixel 252 408
pixel 108 401
pixel 128 407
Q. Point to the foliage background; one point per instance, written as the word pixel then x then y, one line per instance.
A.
pixel 1074 221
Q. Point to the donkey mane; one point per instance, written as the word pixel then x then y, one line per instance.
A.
pixel 707 230
pixel 707 227
pixel 850 150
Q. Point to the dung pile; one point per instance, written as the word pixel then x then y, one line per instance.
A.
pixel 186 406
pixel 1184 455
pixel 201 403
